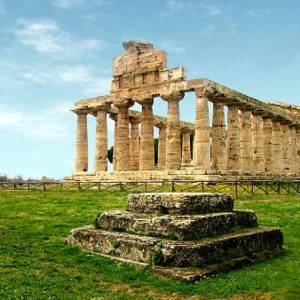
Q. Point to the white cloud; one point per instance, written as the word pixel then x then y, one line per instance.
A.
pixel 46 37
pixel 91 84
pixel 175 6
pixel 71 4
pixel 67 4
pixel 49 124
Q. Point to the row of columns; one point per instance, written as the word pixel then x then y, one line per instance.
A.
pixel 251 142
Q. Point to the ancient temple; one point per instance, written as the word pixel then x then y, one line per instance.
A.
pixel 247 137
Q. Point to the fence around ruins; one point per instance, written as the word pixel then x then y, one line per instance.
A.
pixel 237 188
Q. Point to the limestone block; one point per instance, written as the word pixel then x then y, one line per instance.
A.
pixel 182 227
pixel 179 203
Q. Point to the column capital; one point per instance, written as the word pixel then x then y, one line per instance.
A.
pixel 102 107
pixel 123 103
pixel 177 96
pixel 185 129
pixel 160 124
pixel 80 111
pixel 134 120
pixel 145 101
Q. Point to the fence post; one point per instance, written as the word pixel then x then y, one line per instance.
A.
pixel 236 188
pixel 173 186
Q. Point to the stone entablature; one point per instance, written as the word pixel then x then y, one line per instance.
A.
pixel 257 137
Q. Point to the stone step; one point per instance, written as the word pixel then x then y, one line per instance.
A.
pixel 160 252
pixel 176 227
pixel 179 203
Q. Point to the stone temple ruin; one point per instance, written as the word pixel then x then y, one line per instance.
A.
pixel 257 138
pixel 180 235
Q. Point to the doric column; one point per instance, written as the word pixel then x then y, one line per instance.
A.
pixel 276 147
pixel 162 145
pixel 246 143
pixel 186 147
pixel 267 129
pixel 233 143
pixel 173 141
pixel 258 143
pixel 81 160
pixel 101 138
pixel 202 134
pixel 146 161
pixel 114 117
pixel 122 137
pixel 286 148
pixel 298 150
pixel 218 148
pixel 293 143
pixel 134 143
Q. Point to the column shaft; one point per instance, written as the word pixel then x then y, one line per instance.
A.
pixel 186 148
pixel 122 140
pixel 101 141
pixel 293 142
pixel 173 142
pixel 258 143
pixel 286 148
pixel 202 135
pixel 162 146
pixel 134 144
pixel 81 143
pixel 115 118
pixel 146 161
pixel 246 143
pixel 276 147
pixel 267 129
pixel 233 144
pixel 297 161
pixel 218 148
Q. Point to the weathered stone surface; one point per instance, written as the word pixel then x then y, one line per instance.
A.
pixel 179 227
pixel 124 245
pixel 201 139
pixel 156 251
pixel 246 142
pixel 214 250
pixel 224 149
pixel 218 147
pixel 179 203
pixel 233 145
pixel 81 160
pixel 193 245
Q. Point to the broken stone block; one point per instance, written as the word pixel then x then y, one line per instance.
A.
pixel 180 235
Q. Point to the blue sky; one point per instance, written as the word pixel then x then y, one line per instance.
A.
pixel 54 52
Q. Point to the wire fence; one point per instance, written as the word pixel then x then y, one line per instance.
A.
pixel 237 188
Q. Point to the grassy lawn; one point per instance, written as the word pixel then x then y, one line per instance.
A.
pixel 36 264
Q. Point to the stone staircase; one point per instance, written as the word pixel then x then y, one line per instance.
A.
pixel 180 235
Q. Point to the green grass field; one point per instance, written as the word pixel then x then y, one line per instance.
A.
pixel 36 264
